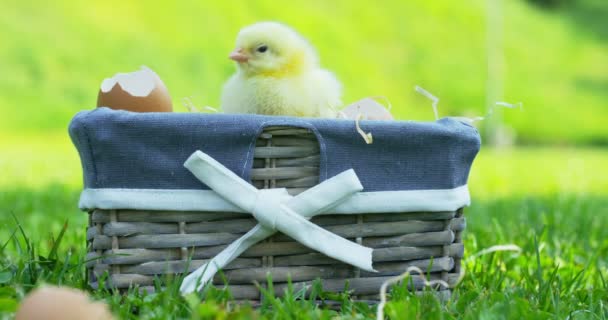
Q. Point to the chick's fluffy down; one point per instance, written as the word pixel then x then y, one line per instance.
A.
pixel 278 74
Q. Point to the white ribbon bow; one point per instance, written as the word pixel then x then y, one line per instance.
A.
pixel 276 210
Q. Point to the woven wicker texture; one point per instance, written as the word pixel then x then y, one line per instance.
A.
pixel 134 246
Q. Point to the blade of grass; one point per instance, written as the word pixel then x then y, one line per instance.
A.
pixel 53 253
pixel 30 252
pixel 9 239
pixel 539 269
pixel 602 279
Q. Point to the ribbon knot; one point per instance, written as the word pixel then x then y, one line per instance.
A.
pixel 267 207
pixel 276 210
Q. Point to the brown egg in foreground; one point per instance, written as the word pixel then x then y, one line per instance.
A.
pixel 139 91
pixel 54 303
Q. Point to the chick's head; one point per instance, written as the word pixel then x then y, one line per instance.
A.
pixel 272 49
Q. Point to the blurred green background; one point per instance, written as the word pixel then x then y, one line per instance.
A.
pixel 551 55
pixel 552 59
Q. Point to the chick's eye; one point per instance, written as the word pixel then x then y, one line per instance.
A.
pixel 262 49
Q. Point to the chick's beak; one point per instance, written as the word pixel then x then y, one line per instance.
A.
pixel 238 55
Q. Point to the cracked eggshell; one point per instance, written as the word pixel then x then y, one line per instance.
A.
pixel 369 109
pixel 54 303
pixel 139 91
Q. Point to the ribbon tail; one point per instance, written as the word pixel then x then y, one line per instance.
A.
pixel 205 273
pixel 321 240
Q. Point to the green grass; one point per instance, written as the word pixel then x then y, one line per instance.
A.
pixel 550 202
pixel 559 271
pixel 53 58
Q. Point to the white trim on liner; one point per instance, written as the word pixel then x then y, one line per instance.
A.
pixel 208 200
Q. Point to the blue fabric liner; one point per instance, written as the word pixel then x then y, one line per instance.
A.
pixel 121 149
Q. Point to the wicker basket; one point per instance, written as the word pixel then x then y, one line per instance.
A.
pixel 135 246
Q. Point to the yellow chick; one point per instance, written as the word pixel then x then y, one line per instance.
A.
pixel 278 73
